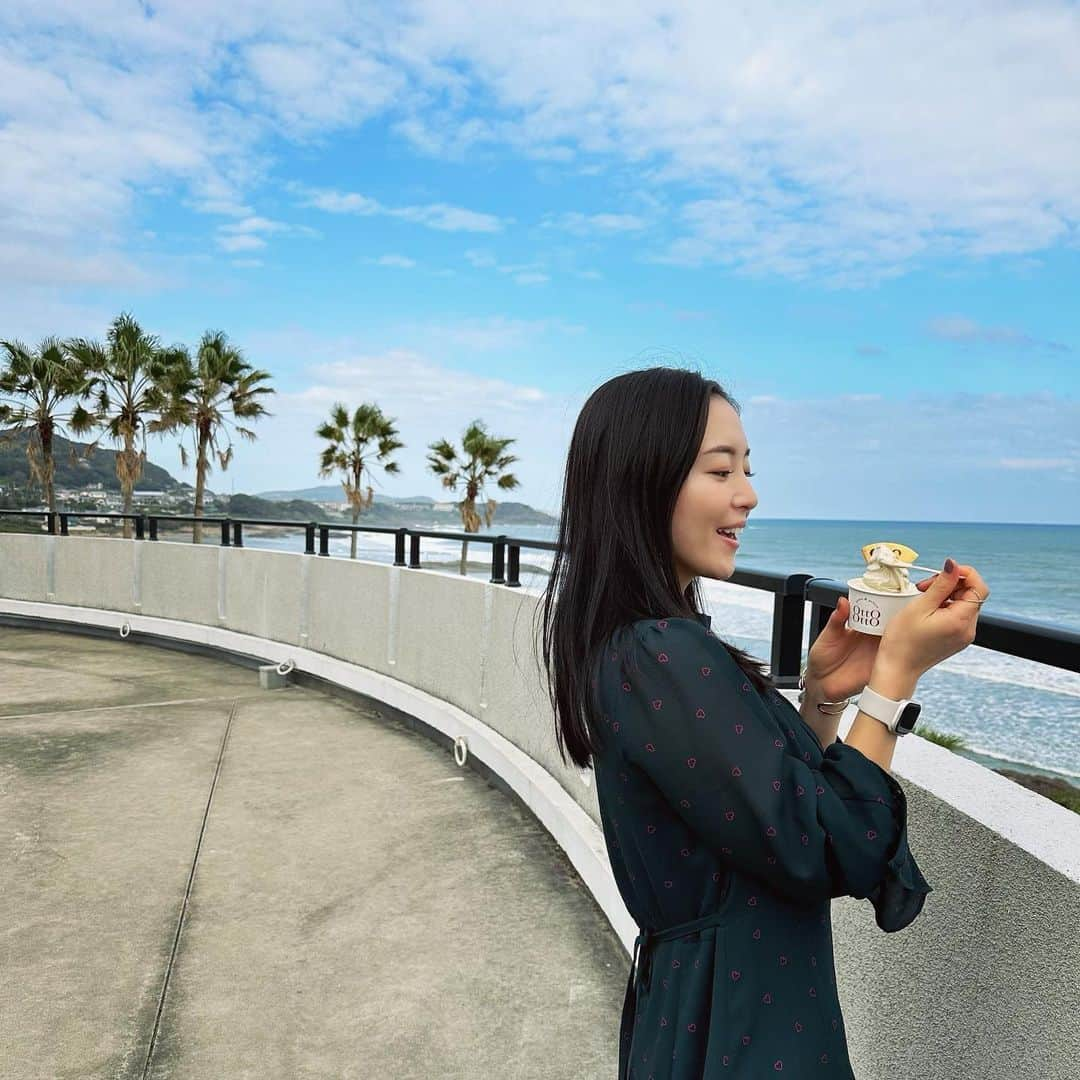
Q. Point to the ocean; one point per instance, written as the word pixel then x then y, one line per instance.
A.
pixel 1011 713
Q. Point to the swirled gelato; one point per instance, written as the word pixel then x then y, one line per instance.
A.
pixel 886 570
pixel 883 589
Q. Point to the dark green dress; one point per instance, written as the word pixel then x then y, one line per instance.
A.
pixel 728 827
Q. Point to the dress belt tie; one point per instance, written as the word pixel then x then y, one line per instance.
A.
pixel 641 975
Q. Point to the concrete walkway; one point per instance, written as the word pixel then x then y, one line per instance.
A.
pixel 203 880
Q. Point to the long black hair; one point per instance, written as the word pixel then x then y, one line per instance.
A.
pixel 633 445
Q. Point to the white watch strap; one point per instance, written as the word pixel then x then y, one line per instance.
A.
pixel 881 708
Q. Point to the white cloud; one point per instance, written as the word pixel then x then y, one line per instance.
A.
pixel 241 243
pixel 589 224
pixel 523 273
pixel 249 234
pixel 964 331
pixel 401 261
pixel 434 216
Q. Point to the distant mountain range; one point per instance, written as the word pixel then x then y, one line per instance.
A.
pixel 390 510
pixel 334 493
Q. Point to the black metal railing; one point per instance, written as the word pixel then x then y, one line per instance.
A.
pixel 1045 643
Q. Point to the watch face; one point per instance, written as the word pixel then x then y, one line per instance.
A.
pixel 909 717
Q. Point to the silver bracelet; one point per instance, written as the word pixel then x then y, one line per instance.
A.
pixel 837 706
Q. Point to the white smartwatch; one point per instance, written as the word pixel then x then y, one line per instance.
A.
pixel 899 717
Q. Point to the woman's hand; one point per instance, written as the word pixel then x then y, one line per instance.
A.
pixel 938 624
pixel 840 660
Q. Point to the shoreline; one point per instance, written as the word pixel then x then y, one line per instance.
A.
pixel 1000 764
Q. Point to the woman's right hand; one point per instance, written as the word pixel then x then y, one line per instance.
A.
pixel 936 625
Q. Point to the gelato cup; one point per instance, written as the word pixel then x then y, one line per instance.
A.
pixel 883 589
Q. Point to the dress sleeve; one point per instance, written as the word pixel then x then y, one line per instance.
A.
pixel 688 717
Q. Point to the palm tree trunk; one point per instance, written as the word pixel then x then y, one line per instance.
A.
pixel 127 480
pixel 352 547
pixel 464 556
pixel 200 486
pixel 48 467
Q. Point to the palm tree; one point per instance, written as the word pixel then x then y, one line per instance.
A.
pixel 130 375
pixel 348 452
pixel 482 459
pixel 221 381
pixel 40 380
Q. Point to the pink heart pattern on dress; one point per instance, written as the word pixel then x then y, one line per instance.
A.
pixel 735 975
pixel 738 729
pixel 776 785
pixel 729 814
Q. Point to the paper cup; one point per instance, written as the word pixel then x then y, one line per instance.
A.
pixel 871 609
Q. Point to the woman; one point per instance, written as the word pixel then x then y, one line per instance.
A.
pixel 730 817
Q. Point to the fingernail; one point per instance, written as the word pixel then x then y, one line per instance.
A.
pixel 950 566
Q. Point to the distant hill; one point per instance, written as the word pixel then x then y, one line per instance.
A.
pixel 334 493
pixel 253 506
pixel 100 468
pixel 417 509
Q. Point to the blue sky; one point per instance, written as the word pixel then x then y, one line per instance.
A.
pixel 865 225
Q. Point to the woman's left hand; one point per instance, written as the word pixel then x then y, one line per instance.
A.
pixel 841 660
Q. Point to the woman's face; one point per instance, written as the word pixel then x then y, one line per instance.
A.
pixel 710 500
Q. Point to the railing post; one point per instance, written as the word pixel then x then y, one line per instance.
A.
pixel 224 532
pixel 512 581
pixel 820 613
pixel 414 551
pixel 153 527
pixel 399 547
pixel 50 520
pixel 788 608
pixel 63 524
pixel 498 559
pixel 324 539
pixel 309 538
pixel 238 534
pixel 140 526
